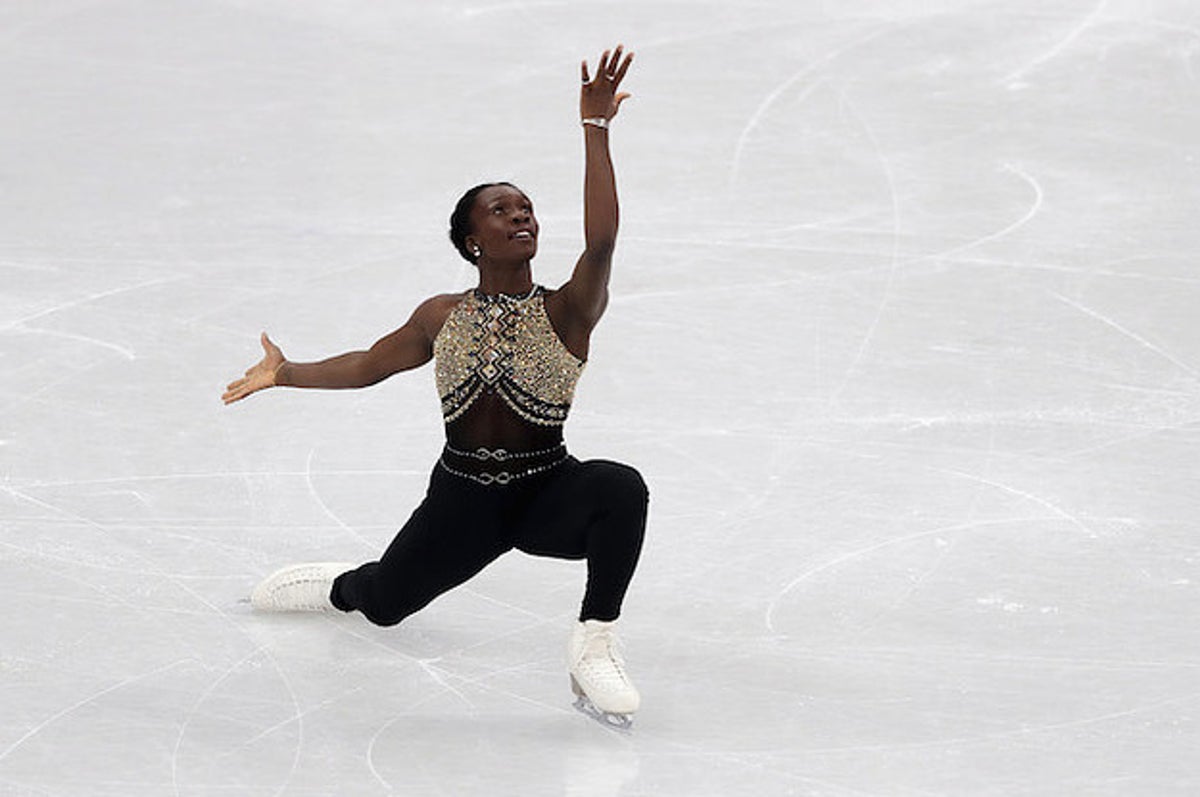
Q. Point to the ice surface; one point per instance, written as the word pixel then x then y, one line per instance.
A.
pixel 904 338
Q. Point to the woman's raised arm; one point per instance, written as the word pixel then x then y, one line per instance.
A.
pixel 586 292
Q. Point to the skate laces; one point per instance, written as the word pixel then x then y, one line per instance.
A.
pixel 303 587
pixel 305 590
pixel 601 656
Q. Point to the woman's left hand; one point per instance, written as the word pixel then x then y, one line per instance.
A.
pixel 599 97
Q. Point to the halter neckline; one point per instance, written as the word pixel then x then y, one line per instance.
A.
pixel 500 297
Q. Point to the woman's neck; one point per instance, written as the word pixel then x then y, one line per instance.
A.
pixel 514 280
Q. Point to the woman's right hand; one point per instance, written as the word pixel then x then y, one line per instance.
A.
pixel 260 376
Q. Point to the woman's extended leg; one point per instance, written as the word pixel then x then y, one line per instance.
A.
pixel 451 536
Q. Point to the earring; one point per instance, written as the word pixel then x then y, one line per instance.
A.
pixel 477 251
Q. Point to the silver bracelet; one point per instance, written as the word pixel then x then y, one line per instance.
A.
pixel 596 121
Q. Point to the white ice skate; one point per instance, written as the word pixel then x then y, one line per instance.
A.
pixel 598 678
pixel 298 588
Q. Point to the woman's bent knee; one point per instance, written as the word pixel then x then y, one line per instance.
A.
pixel 622 482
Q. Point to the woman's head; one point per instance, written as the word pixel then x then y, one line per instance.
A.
pixel 495 213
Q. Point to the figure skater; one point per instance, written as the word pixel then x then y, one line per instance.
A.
pixel 507 357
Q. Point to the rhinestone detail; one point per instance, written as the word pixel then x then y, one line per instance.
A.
pixel 505 345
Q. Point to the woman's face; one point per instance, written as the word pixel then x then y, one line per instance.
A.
pixel 503 224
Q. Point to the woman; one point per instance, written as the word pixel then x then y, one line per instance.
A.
pixel 508 354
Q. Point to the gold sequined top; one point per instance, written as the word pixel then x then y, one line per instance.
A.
pixel 505 345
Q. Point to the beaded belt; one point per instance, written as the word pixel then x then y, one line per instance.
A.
pixel 477 465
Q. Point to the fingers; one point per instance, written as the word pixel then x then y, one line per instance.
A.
pixel 615 67
pixel 622 69
pixel 236 395
pixel 610 67
pixel 235 391
pixel 611 71
pixel 253 380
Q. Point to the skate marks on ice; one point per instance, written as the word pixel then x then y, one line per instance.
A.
pixel 1008 170
pixel 1185 367
pixel 1016 79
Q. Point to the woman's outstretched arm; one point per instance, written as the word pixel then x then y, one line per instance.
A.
pixel 586 293
pixel 408 347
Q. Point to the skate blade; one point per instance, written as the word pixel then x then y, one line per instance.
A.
pixel 616 722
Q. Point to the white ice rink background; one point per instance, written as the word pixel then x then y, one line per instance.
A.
pixel 904 337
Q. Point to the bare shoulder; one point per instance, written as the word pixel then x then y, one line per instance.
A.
pixel 555 298
pixel 432 313
pixel 441 304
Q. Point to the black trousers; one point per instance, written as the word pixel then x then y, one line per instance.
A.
pixel 593 510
